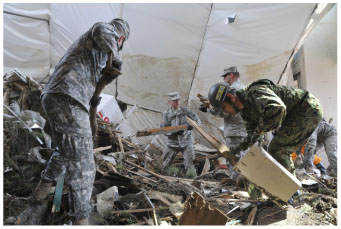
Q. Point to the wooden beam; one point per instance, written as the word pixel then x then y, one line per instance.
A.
pixel 163 130
pixel 100 149
pixel 223 150
pixel 146 170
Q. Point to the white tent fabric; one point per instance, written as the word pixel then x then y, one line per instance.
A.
pixel 172 47
pixel 27 39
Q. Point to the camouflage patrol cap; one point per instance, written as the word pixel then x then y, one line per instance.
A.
pixel 174 96
pixel 232 69
pixel 124 26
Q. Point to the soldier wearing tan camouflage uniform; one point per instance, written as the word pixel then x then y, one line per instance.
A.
pixel 181 141
pixel 324 135
pixel 66 102
pixel 265 106
pixel 234 126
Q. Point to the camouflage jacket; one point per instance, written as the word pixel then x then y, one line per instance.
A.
pixel 175 118
pixel 234 125
pixel 80 68
pixel 266 105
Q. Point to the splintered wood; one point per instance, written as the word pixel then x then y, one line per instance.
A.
pixel 199 212
pixel 223 150
pixel 163 130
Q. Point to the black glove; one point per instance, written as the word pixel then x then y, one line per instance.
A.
pixel 235 150
pixel 203 108
pixel 95 101
pixel 189 127
pixel 117 64
pixel 109 74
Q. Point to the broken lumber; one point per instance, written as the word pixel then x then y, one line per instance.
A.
pixel 100 149
pixel 223 150
pixel 251 216
pixel 162 130
pixel 146 170
pixel 199 212
pixel 132 211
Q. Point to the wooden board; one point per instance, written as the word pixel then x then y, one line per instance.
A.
pixel 163 130
pixel 223 150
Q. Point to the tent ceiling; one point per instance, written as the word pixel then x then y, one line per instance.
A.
pixel 173 47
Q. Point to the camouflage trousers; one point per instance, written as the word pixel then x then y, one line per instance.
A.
pixel 330 146
pixel 294 132
pixel 74 157
pixel 170 153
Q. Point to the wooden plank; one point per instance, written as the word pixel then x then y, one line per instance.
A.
pixel 223 150
pixel 120 143
pixel 251 217
pixel 207 166
pixel 100 149
pixel 163 130
pixel 132 211
pixel 146 170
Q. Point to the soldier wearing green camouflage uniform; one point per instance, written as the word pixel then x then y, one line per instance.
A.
pixel 66 102
pixel 181 141
pixel 324 135
pixel 265 106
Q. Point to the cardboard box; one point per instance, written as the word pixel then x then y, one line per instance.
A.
pixel 263 170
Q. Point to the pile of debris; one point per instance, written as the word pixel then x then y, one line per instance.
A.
pixel 129 189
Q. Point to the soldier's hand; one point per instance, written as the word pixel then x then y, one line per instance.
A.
pixel 189 127
pixel 180 132
pixel 235 150
pixel 203 108
pixel 95 101
pixel 110 73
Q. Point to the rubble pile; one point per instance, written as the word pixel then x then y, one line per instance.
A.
pixel 129 189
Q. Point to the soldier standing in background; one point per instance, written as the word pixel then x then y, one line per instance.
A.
pixel 324 135
pixel 180 141
pixel 234 126
pixel 66 101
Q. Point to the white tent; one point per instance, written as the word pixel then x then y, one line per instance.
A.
pixel 174 47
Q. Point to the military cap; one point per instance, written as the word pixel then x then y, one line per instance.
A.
pixel 232 69
pixel 174 96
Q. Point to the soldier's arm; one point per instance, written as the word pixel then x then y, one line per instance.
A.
pixel 271 108
pixel 104 35
pixel 218 113
pixel 193 116
pixel 253 135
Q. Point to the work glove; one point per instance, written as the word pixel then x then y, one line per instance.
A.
pixel 95 101
pixel 189 127
pixel 117 64
pixel 110 73
pixel 180 132
pixel 235 150
pixel 202 108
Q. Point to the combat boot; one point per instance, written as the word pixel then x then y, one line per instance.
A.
pixel 81 222
pixel 42 191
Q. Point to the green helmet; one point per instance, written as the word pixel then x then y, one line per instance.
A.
pixel 124 26
pixel 217 94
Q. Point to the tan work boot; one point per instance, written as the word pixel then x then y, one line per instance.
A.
pixel 42 191
pixel 81 222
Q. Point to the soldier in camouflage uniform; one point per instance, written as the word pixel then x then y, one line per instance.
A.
pixel 324 135
pixel 66 102
pixel 265 106
pixel 234 126
pixel 181 140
